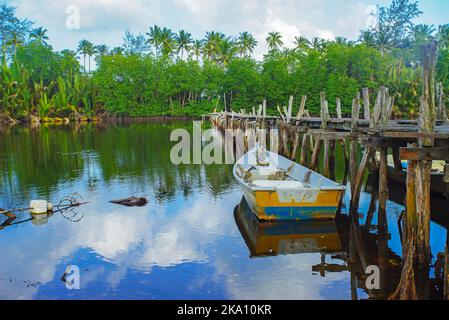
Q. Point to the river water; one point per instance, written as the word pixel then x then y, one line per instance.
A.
pixel 195 239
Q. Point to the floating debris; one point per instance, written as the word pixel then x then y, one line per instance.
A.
pixel 131 202
pixel 41 210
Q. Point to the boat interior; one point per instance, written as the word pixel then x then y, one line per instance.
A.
pixel 262 169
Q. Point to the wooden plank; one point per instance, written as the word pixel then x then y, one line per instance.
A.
pixel 415 135
pixel 330 135
pixel 427 154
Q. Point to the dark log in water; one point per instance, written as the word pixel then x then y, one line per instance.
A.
pixel 131 202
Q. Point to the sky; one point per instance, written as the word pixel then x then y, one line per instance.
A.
pixel 105 21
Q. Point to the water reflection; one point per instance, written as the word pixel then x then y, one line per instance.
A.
pixel 186 243
pixel 335 242
pixel 281 238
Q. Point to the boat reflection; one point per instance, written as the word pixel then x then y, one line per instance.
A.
pixel 282 238
pixel 343 247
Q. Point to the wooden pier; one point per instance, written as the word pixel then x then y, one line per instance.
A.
pixel 371 128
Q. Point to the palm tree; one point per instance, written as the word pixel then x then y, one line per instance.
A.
pixel 443 36
pixel 91 51
pixel 226 51
pixel 117 51
pixel 318 44
pixel 423 32
pixel 368 38
pixel 39 35
pixel 302 44
pixel 102 50
pixel 246 44
pixel 344 41
pixel 167 41
pixel 197 48
pixel 83 48
pixel 154 37
pixel 211 43
pixel 15 41
pixel 274 41
pixel 183 41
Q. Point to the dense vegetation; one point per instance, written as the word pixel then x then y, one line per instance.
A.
pixel 166 73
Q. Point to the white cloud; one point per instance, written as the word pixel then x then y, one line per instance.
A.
pixel 104 21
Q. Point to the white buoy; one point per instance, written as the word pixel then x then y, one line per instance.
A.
pixel 38 206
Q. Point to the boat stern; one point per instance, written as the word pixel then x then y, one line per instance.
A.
pixel 268 206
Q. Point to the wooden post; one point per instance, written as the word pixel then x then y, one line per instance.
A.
pixel 396 159
pixel 441 105
pixel 284 134
pixel 366 103
pixel 326 166
pixel 355 114
pixel 446 267
pixel 338 108
pixel 383 180
pixel 332 160
pixel 353 168
pixel 315 155
pixel 345 153
pixel 407 285
pixel 264 107
pixel 353 152
pixel 377 108
pixel 324 111
pixel 289 110
pixel 416 254
pixel 427 114
pixel 424 168
pixel 302 108
pixel 372 205
pixel 295 145
pixel 303 156
pixel 359 178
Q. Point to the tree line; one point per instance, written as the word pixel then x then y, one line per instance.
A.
pixel 161 72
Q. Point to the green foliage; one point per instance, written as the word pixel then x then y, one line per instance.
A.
pixel 40 60
pixel 167 73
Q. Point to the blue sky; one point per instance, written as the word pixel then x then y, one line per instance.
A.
pixel 104 21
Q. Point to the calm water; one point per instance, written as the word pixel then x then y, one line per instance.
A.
pixel 194 240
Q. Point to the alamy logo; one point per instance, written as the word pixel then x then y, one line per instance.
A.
pixel 212 147
pixel 72 277
pixel 72 21
pixel 373 280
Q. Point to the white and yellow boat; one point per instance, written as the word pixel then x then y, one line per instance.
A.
pixel 277 188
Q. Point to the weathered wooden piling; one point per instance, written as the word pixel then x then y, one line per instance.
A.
pixel 416 251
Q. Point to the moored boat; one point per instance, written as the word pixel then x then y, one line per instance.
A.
pixel 437 185
pixel 277 188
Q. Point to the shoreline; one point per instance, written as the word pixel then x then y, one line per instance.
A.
pixel 103 121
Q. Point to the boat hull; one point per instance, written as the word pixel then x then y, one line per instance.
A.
pixel 267 206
